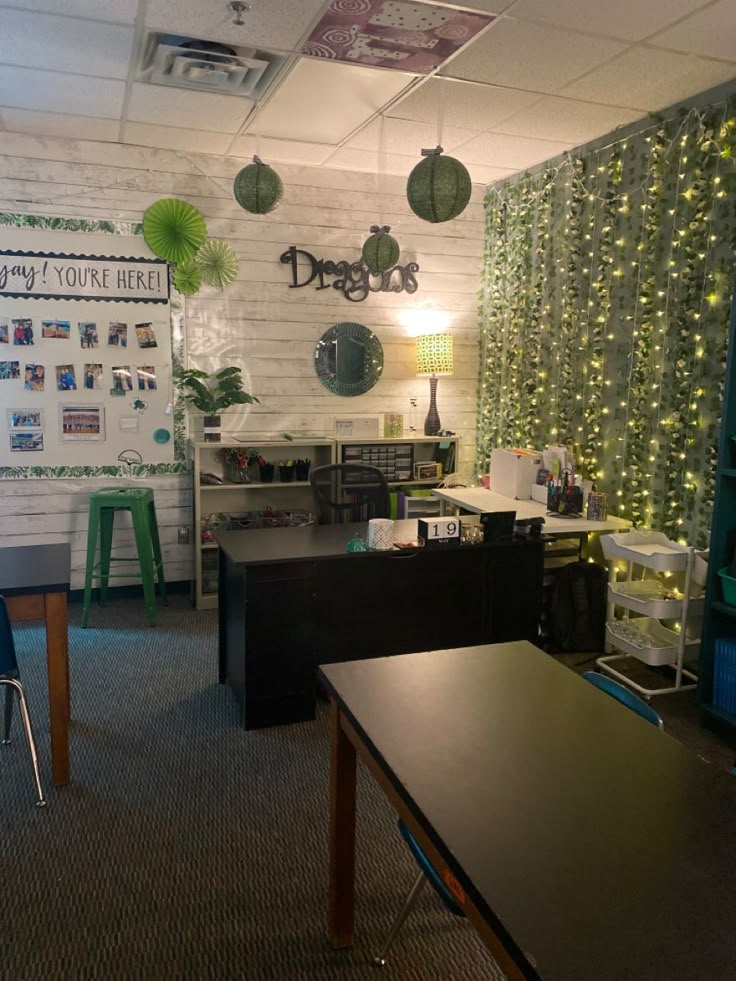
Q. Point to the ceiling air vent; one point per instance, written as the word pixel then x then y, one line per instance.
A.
pixel 208 66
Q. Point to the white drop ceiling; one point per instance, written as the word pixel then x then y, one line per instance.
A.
pixel 545 76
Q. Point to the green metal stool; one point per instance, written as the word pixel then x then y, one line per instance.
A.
pixel 102 507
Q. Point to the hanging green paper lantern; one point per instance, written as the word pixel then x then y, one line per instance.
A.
pixel 217 263
pixel 381 251
pixel 173 229
pixel 258 188
pixel 438 188
pixel 188 278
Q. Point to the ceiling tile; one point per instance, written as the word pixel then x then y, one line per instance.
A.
pixel 530 56
pixel 649 78
pixel 487 175
pixel 169 106
pixel 175 138
pixel 413 37
pixel 276 24
pixel 324 101
pixel 407 137
pixel 27 88
pixel 467 104
pixel 283 151
pixel 487 6
pixel 58 124
pixel 515 152
pixel 367 161
pixel 628 19
pixel 120 11
pixel 576 122
pixel 711 31
pixel 65 44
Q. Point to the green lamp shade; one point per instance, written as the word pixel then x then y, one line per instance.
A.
pixel 381 251
pixel 217 263
pixel 188 278
pixel 258 188
pixel 438 189
pixel 173 229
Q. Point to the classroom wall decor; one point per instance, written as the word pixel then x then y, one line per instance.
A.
pixel 85 344
pixel 604 315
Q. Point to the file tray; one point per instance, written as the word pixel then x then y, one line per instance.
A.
pixel 650 549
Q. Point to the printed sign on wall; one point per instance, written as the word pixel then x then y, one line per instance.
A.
pixel 56 276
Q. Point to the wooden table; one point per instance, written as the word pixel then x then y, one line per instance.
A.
pixel 293 598
pixel 34 579
pixel 581 842
pixel 478 500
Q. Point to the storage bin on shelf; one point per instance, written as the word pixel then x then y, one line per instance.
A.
pixel 652 598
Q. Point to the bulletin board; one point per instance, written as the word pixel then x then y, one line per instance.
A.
pixel 87 336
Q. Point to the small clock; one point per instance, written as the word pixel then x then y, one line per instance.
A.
pixel 438 531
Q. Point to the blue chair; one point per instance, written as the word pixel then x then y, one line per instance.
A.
pixel 626 697
pixel 427 874
pixel 9 678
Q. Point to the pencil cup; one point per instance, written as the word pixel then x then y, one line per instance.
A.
pixel 380 534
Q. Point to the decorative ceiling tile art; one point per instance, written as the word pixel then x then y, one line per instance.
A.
pixel 414 37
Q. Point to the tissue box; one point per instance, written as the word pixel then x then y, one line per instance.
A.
pixel 512 473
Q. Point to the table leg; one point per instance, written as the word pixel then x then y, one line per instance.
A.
pixel 57 653
pixel 342 834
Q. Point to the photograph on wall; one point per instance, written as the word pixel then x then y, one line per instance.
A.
pixel 146 335
pixel 117 335
pixel 56 328
pixel 9 370
pixel 146 377
pixel 4 332
pixel 82 422
pixel 88 334
pixel 26 442
pixel 122 378
pixel 35 375
pixel 92 376
pixel 22 331
pixel 25 418
pixel 66 379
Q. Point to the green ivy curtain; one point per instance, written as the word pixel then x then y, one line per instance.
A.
pixel 604 315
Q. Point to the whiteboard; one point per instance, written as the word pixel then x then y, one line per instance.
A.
pixel 82 295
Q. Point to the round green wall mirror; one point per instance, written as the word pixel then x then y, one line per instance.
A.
pixel 348 359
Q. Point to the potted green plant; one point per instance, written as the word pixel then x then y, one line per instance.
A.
pixel 212 394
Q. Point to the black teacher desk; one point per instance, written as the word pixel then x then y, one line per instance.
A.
pixel 293 598
pixel 582 843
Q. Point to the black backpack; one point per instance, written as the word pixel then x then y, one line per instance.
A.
pixel 578 612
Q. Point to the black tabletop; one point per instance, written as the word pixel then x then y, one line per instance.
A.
pixel 35 569
pixel 600 848
pixel 260 546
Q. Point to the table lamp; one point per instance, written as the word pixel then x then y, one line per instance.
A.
pixel 434 357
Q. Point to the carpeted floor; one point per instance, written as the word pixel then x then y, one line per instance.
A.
pixel 187 848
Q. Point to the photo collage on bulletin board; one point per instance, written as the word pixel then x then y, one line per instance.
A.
pixel 85 350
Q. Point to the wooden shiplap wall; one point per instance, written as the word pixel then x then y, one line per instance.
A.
pixel 258 323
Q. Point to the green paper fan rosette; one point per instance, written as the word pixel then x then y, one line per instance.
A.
pixel 188 278
pixel 258 188
pixel 173 230
pixel 217 263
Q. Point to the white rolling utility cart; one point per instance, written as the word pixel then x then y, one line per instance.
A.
pixel 663 582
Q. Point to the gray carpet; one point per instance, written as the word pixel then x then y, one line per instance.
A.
pixel 187 848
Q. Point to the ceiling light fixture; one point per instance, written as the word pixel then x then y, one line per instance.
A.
pixel 239 8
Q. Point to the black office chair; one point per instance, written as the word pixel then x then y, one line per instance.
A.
pixel 13 687
pixel 345 492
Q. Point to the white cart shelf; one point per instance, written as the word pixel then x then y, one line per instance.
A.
pixel 653 559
